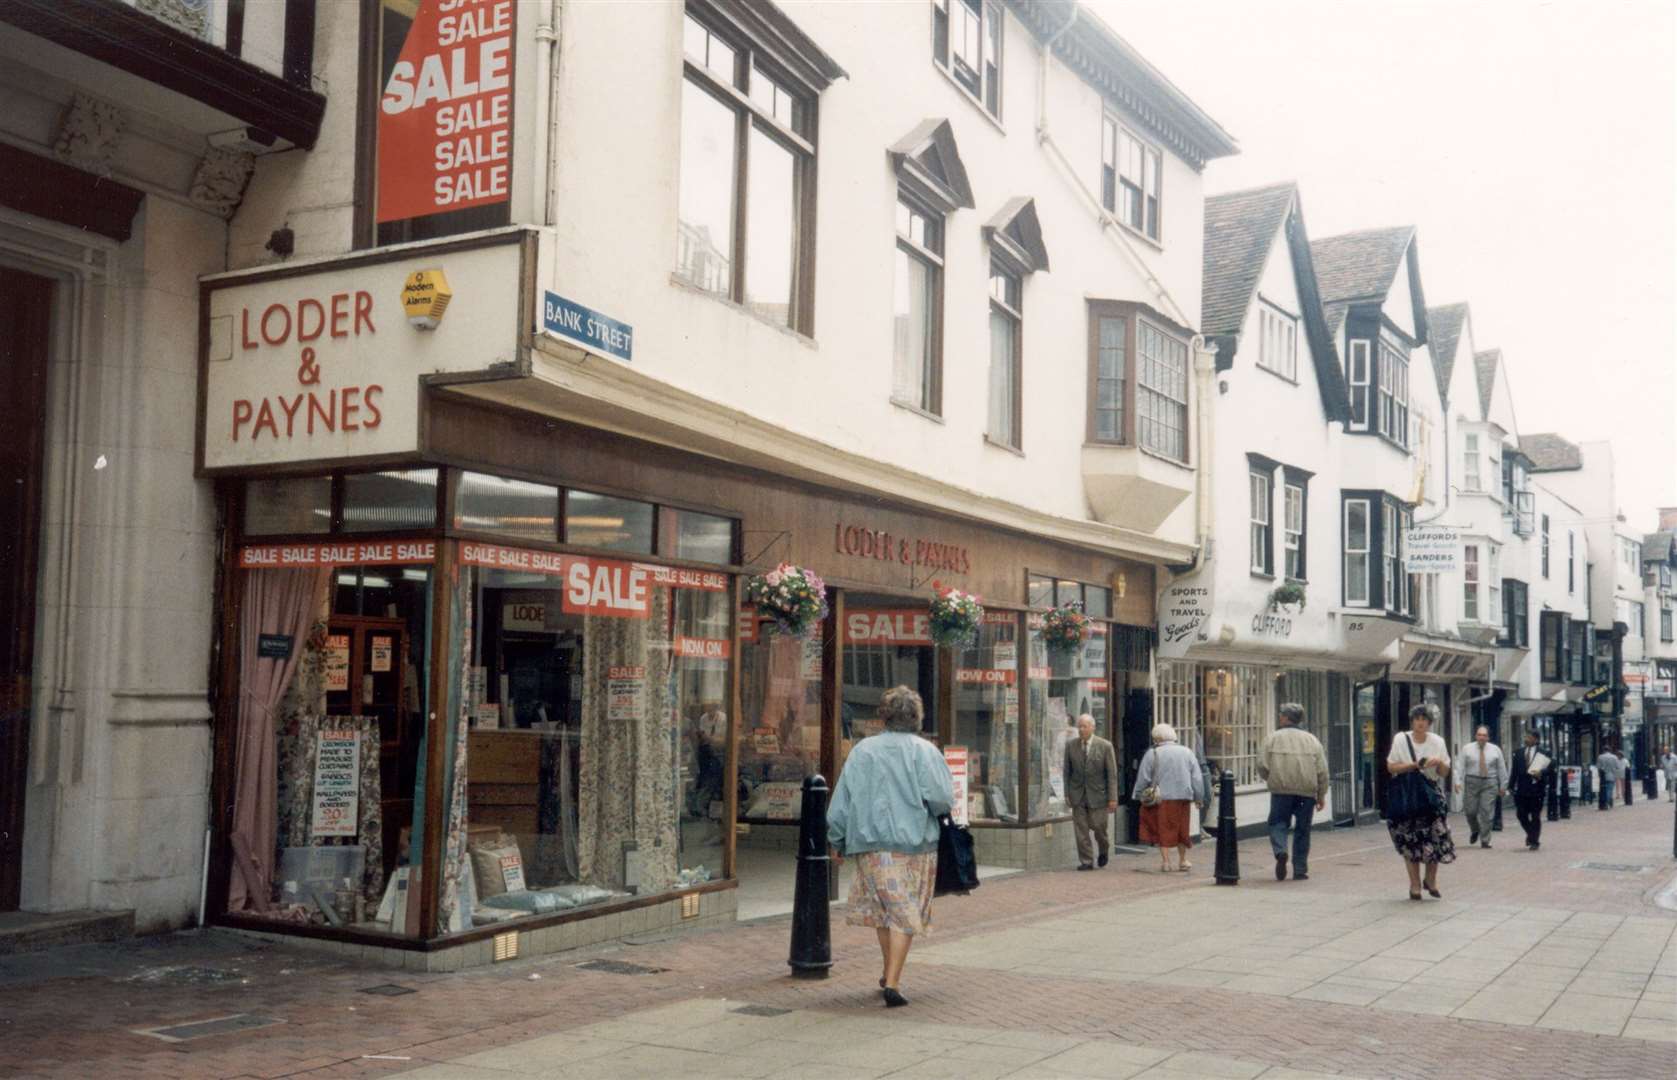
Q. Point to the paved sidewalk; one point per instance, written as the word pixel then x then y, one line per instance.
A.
pixel 713 1037
pixel 82 1012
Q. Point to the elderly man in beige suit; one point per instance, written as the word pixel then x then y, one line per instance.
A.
pixel 1091 772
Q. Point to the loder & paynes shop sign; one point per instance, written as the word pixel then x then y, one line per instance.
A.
pixel 323 362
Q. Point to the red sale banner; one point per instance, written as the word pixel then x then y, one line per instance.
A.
pixel 445 117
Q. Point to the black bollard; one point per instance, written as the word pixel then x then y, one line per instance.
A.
pixel 1566 796
pixel 1553 801
pixel 1629 783
pixel 1228 854
pixel 812 937
pixel 1650 786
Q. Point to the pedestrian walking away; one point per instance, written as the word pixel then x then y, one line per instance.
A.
pixel 1482 778
pixel 1168 780
pixel 884 816
pixel 1091 772
pixel 1608 766
pixel 1532 772
pixel 1294 765
pixel 1668 762
pixel 1422 840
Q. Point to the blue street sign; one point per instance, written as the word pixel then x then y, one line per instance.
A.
pixel 587 327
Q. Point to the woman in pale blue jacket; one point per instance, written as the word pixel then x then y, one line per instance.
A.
pixel 884 814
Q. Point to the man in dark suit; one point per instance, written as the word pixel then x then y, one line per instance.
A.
pixel 1529 789
pixel 1091 772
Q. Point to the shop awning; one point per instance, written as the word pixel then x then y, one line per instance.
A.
pixel 1532 706
pixel 1422 659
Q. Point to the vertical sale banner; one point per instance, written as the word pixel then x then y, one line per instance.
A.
pixel 445 116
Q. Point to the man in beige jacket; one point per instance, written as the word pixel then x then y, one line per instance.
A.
pixel 1296 767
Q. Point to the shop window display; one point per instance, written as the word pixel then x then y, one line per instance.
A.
pixel 887 643
pixel 987 717
pixel 328 737
pixel 605 521
pixel 593 708
pixel 780 731
pixel 1064 684
pixel 513 508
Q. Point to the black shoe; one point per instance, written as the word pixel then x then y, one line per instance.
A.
pixel 1474 839
pixel 1102 860
pixel 1486 844
pixel 893 999
pixel 1432 891
pixel 1281 868
pixel 1084 866
pixel 1536 844
pixel 1300 877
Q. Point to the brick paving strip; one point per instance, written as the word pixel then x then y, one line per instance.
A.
pixel 78 1018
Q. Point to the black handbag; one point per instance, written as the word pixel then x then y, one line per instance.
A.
pixel 1412 795
pixel 957 866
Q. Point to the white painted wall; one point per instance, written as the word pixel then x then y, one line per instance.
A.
pixel 616 246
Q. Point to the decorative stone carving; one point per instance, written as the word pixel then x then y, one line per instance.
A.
pixel 88 134
pixel 219 184
pixel 192 16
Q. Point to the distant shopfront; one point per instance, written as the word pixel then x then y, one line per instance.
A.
pixel 487 673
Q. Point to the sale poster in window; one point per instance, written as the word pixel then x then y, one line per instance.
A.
pixel 445 108
pixel 337 662
pixel 337 783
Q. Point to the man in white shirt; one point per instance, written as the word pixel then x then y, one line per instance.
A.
pixel 1607 764
pixel 1484 779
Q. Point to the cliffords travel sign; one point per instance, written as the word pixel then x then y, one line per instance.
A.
pixel 323 362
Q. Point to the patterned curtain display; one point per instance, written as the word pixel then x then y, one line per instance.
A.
pixel 626 799
pixel 456 859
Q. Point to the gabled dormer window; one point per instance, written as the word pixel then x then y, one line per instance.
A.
pixel 1278 341
pixel 1358 378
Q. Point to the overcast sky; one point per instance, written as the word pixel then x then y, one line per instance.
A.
pixel 1535 146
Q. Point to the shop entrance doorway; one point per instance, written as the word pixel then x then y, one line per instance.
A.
pixel 364 677
pixel 25 313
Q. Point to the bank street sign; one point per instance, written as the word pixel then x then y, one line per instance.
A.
pixel 1432 549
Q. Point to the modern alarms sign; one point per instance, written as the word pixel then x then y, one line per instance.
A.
pixel 324 362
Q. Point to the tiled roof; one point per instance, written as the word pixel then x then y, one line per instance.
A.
pixel 1445 324
pixel 1656 547
pixel 1360 265
pixel 1484 366
pixel 1239 229
pixel 1551 453
pixel 1334 315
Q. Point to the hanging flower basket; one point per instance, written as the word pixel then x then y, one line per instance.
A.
pixel 795 598
pixel 955 617
pixel 1065 628
pixel 1288 596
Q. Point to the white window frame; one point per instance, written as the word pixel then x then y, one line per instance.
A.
pixel 1352 580
pixel 1358 380
pixel 1260 506
pixel 991 27
pixel 1571 562
pixel 1472 479
pixel 1292 532
pixel 1392 393
pixel 1493 579
pixel 1277 341
pixel 1121 149
pixel 1470 582
pixel 1153 397
pixel 1544 552
pixel 1665 624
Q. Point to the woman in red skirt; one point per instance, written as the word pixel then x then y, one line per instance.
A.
pixel 1168 780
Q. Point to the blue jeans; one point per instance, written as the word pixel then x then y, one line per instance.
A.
pixel 1291 812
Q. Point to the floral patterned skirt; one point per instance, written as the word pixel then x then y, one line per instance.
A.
pixel 893 890
pixel 1423 840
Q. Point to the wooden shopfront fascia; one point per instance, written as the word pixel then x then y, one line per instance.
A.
pixel 781 519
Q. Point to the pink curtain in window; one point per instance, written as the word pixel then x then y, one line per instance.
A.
pixel 275 602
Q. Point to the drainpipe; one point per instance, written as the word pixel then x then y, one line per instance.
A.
pixel 1110 226
pixel 547 111
pixel 1205 355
